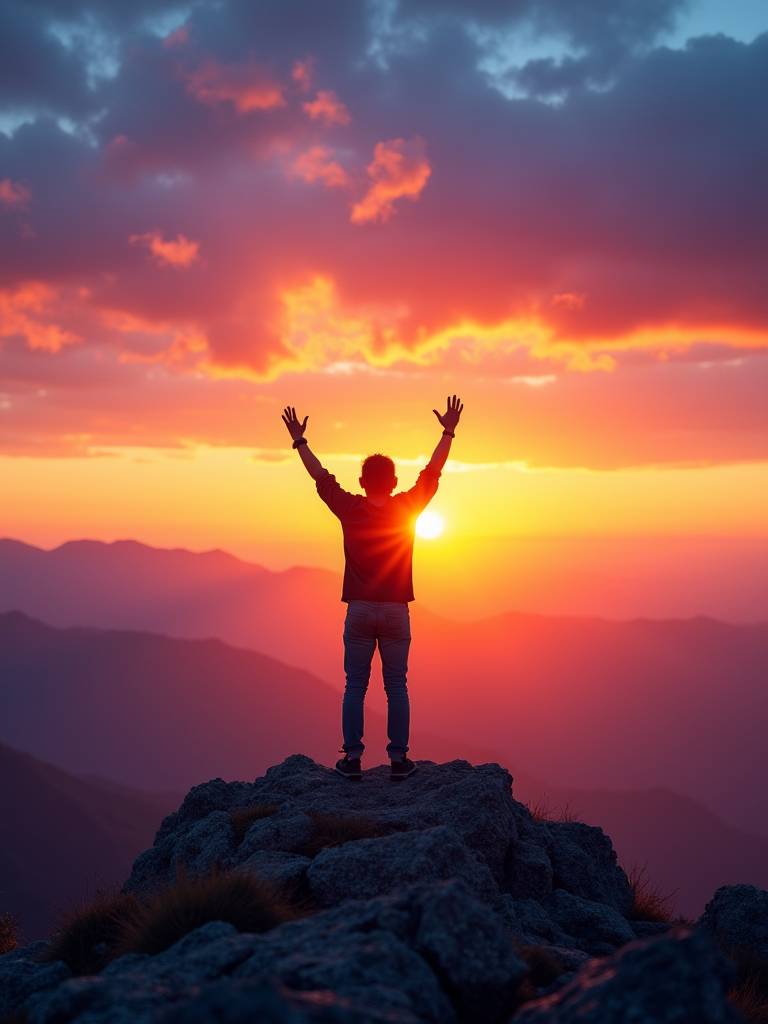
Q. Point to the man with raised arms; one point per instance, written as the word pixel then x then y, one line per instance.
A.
pixel 378 532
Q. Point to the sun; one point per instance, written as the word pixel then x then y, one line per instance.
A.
pixel 429 525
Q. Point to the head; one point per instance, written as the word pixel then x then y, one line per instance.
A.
pixel 378 478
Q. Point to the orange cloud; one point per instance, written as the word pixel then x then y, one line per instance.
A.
pixel 24 313
pixel 328 108
pixel 398 168
pixel 316 165
pixel 569 300
pixel 303 73
pixel 246 86
pixel 180 253
pixel 13 193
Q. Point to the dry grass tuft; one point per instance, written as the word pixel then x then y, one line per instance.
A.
pixel 9 929
pixel 88 935
pixel 244 817
pixel 750 993
pixel 651 903
pixel 248 903
pixel 337 829
pixel 541 810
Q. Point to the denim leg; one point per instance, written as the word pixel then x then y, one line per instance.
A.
pixel 359 645
pixel 394 633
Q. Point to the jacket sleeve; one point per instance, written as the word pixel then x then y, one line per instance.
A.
pixel 333 494
pixel 424 490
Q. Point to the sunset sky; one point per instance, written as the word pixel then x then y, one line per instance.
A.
pixel 554 208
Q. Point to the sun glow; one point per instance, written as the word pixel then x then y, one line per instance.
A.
pixel 429 525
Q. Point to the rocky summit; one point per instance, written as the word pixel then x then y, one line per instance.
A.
pixel 436 900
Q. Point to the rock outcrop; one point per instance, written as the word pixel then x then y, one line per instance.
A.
pixel 421 904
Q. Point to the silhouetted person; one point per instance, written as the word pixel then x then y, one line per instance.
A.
pixel 378 583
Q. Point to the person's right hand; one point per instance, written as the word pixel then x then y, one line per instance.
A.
pixel 291 420
pixel 450 417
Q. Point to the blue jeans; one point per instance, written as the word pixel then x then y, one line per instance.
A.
pixel 389 624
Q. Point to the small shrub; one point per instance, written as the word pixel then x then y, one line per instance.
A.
pixel 248 903
pixel 9 927
pixel 87 936
pixel 540 810
pixel 244 817
pixel 750 993
pixel 650 902
pixel 337 829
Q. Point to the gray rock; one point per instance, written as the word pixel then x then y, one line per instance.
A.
pixel 372 967
pixel 584 863
pixel 528 920
pixel 528 871
pixel 374 867
pixel 675 979
pixel 287 830
pixel 286 869
pixel 245 1001
pixel 210 841
pixel 22 976
pixel 737 918
pixel 597 928
pixel 469 950
pixel 646 929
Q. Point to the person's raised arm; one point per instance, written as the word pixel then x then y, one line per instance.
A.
pixel 448 421
pixel 296 429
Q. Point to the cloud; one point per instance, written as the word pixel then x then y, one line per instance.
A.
pixel 180 253
pixel 247 87
pixel 303 73
pixel 398 169
pixel 327 107
pixel 13 193
pixel 569 300
pixel 26 312
pixel 317 165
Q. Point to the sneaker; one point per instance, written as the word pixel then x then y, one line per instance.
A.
pixel 349 767
pixel 401 769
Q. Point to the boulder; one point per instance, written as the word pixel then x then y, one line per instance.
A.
pixel 288 830
pixel 374 867
pixel 23 976
pixel 530 922
pixel 528 870
pixel 584 863
pixel 597 928
pixel 208 842
pixel 736 918
pixel 285 869
pixel 476 802
pixel 423 954
pixel 243 1001
pixel 678 978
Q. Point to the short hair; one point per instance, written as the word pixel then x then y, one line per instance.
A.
pixel 378 473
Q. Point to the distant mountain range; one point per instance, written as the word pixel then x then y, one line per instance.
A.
pixel 583 703
pixel 153 712
pixel 62 835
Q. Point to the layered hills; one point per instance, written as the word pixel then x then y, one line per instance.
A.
pixel 582 703
pixel 153 712
pixel 62 836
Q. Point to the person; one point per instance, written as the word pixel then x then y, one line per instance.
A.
pixel 378 530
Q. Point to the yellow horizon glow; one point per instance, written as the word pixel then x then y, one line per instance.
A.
pixel 203 498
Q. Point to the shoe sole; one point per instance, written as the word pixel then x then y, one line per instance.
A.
pixel 352 778
pixel 399 778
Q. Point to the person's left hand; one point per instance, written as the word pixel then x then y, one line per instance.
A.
pixel 450 417
pixel 291 420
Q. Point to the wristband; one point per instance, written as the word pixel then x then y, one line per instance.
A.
pixel 300 441
pixel 447 433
